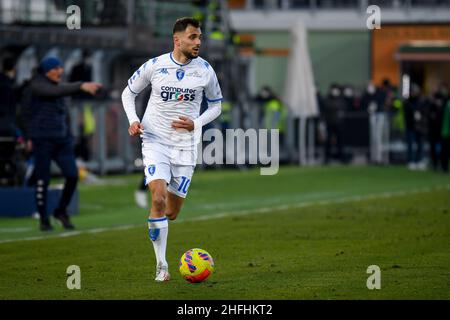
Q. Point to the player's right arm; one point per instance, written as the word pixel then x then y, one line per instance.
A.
pixel 138 82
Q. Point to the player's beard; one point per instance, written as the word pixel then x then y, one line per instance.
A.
pixel 190 54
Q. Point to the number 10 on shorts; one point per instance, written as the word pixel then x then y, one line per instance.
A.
pixel 184 185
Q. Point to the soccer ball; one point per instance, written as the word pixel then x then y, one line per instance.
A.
pixel 196 265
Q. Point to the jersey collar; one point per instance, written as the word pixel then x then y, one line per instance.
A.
pixel 178 64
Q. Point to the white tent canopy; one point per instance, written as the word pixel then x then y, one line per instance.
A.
pixel 300 92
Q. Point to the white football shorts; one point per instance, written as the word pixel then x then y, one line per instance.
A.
pixel 175 166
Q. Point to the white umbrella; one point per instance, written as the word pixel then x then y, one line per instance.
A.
pixel 300 92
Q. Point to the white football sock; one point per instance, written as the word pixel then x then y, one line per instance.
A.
pixel 158 229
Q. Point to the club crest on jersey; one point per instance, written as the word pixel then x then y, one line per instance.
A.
pixel 151 169
pixel 180 74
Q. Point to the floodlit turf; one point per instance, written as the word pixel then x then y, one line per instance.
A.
pixel 307 233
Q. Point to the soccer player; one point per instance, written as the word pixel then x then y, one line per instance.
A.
pixel 171 126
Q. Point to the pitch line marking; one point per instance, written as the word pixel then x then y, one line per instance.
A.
pixel 383 195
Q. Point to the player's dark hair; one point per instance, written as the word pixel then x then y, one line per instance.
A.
pixel 182 23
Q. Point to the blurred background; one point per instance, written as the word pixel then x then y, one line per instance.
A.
pixel 338 90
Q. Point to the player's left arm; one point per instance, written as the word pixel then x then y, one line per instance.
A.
pixel 213 96
pixel 213 111
pixel 138 82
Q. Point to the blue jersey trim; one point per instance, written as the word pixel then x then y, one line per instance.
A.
pixel 181 65
pixel 214 100
pixel 157 220
pixel 131 90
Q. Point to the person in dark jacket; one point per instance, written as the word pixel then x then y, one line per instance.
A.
pixel 51 137
pixel 7 98
pixel 335 106
pixel 24 117
pixel 435 117
pixel 415 107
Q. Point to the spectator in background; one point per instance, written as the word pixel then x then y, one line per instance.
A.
pixel 200 10
pixel 24 119
pixel 274 113
pixel 320 100
pixel 414 108
pixel 397 115
pixel 387 94
pixel 445 153
pixel 435 117
pixel 24 111
pixel 8 98
pixel 226 116
pixel 82 71
pixel 350 98
pixel 261 98
pixel 51 136
pixel 321 123
pixel 375 102
pixel 334 109
pixel 370 100
pixel 11 136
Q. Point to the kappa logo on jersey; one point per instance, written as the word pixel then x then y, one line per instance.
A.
pixel 180 74
pixel 164 71
pixel 177 94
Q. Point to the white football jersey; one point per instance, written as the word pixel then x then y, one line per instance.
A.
pixel 177 90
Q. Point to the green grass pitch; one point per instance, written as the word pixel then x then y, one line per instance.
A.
pixel 306 233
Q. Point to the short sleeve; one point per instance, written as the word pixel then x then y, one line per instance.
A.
pixel 142 77
pixel 213 93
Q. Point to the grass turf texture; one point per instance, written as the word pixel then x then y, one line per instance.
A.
pixel 302 234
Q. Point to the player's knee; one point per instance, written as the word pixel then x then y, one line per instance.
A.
pixel 159 202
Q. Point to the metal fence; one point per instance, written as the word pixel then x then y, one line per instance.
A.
pixel 303 142
pixel 111 148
